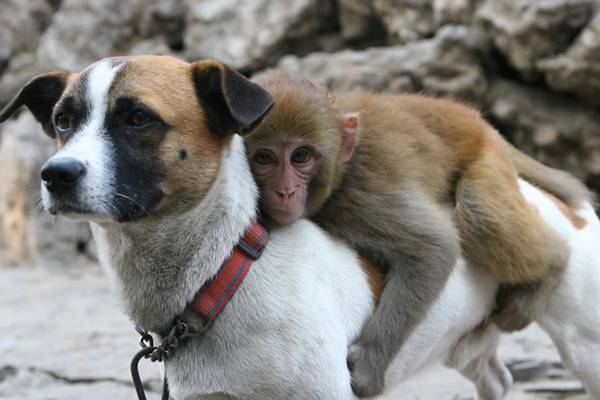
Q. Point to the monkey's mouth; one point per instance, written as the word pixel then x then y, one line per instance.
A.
pixel 284 216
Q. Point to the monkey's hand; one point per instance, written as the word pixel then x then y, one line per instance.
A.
pixel 367 368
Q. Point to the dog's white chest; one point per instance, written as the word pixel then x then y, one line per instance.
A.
pixel 285 333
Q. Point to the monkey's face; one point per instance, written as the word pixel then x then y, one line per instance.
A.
pixel 284 172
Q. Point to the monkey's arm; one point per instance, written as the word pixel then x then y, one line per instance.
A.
pixel 415 240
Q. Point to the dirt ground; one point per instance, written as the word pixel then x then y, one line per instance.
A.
pixel 63 337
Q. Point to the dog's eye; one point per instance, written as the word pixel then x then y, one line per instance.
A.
pixel 139 118
pixel 63 122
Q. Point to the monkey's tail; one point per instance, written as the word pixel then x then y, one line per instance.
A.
pixel 559 183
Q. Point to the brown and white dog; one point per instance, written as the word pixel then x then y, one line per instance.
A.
pixel 148 153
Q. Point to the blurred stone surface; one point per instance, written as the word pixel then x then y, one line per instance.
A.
pixel 526 31
pixel 84 31
pixel 410 20
pixel 161 18
pixel 22 22
pixel 448 64
pixel 406 20
pixel 356 18
pixel 577 70
pixel 245 34
pixel 558 131
pixel 454 11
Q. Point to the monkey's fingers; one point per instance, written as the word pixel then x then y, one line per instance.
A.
pixel 367 370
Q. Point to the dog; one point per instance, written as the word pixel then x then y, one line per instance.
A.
pixel 149 152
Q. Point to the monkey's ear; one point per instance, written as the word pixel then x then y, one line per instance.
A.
pixel 39 95
pixel 349 135
pixel 232 103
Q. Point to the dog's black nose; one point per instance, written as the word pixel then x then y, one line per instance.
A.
pixel 61 174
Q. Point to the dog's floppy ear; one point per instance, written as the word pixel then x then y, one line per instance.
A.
pixel 39 95
pixel 231 102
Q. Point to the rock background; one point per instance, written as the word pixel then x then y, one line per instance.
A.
pixel 531 66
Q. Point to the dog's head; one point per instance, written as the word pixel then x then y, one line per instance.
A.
pixel 137 136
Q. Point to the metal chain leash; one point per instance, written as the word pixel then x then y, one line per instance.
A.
pixel 179 332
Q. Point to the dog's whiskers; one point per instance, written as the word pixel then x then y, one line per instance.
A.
pixel 133 201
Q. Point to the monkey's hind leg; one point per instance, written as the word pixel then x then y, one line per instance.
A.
pixel 484 368
pixel 502 232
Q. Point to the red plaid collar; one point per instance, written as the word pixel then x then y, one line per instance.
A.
pixel 209 301
pixel 214 295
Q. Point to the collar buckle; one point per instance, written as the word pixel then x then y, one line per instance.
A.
pixel 252 252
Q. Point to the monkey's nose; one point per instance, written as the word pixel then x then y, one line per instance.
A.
pixel 60 175
pixel 285 194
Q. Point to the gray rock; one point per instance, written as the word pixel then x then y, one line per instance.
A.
pixel 562 387
pixel 559 132
pixel 21 26
pixel 454 11
pixel 155 45
pixel 84 31
pixel 526 31
pixel 356 18
pixel 246 34
pixel 528 370
pixel 22 22
pixel 410 20
pixel 448 64
pixel 578 70
pixel 406 20
pixel 162 18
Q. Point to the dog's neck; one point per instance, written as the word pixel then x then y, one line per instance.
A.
pixel 159 266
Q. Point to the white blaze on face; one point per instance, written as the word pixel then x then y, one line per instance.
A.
pixel 90 144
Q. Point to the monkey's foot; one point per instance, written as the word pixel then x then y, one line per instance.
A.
pixel 491 377
pixel 367 369
pixel 515 308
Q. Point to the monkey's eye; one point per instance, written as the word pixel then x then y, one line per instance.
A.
pixel 263 158
pixel 301 155
pixel 62 122
pixel 139 118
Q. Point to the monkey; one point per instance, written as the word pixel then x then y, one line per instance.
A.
pixel 410 182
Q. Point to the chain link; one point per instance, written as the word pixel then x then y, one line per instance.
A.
pixel 179 332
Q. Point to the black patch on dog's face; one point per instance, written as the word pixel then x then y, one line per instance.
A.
pixel 139 172
pixel 74 105
pixel 74 109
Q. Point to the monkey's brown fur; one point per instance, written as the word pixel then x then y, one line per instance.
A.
pixel 427 176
